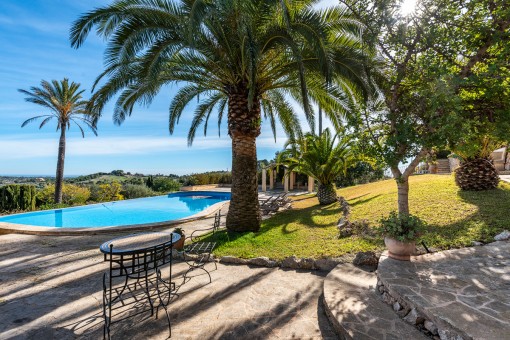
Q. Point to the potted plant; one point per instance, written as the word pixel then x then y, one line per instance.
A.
pixel 400 234
pixel 433 167
pixel 179 244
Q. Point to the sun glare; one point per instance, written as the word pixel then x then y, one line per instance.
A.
pixel 408 7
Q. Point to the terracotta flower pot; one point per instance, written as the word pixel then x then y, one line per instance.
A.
pixel 400 250
pixel 179 244
pixel 433 168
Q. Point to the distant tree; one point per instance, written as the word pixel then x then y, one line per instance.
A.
pixel 149 182
pixel 262 164
pixel 321 157
pixel 118 173
pixel 65 102
pixel 360 173
pixel 165 184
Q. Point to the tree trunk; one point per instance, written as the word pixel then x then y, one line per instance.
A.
pixel 244 127
pixel 60 165
pixel 402 179
pixel 403 195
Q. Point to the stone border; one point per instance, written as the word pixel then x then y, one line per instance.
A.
pixel 409 313
pixel 12 228
pixel 294 262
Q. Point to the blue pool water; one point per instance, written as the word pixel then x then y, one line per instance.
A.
pixel 128 212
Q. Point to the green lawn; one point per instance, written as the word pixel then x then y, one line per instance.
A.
pixel 454 219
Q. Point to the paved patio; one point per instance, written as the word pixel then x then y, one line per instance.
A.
pixel 505 178
pixel 50 287
pixel 464 293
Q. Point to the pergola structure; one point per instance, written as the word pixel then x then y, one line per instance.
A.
pixel 289 179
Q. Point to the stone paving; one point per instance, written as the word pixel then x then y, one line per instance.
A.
pixel 50 288
pixel 458 294
pixel 356 310
pixel 505 178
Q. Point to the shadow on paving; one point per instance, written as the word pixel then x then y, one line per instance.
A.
pixel 52 288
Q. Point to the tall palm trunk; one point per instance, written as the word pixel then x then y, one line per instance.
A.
pixel 60 164
pixel 243 127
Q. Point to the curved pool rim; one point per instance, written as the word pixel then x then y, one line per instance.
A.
pixel 14 228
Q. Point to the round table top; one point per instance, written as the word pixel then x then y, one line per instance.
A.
pixel 138 242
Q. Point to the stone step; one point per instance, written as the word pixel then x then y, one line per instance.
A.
pixel 460 293
pixel 356 311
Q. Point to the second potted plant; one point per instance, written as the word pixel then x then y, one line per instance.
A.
pixel 400 234
pixel 179 244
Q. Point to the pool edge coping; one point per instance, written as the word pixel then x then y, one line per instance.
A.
pixel 13 228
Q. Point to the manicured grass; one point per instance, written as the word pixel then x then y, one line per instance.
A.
pixel 454 219
pixel 308 230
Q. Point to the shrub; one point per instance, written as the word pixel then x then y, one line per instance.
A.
pixel 213 177
pixel 135 180
pixel 17 197
pixel 71 195
pixel 189 180
pixel 402 228
pixel 106 192
pixel 165 184
pixel 136 190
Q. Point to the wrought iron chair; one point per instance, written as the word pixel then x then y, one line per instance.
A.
pixel 198 253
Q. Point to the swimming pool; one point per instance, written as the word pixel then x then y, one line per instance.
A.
pixel 137 211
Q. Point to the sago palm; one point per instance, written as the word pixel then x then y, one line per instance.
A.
pixel 242 59
pixel 322 157
pixel 66 105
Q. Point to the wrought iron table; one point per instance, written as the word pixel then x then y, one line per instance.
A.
pixel 134 277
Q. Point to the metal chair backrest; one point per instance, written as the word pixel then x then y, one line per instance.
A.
pixel 217 220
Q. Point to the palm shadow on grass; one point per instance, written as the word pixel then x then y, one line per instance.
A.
pixel 305 232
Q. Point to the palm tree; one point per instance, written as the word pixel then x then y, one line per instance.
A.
pixel 477 171
pixel 243 59
pixel 320 157
pixel 65 102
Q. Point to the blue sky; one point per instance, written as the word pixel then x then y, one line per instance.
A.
pixel 34 46
pixel 34 42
